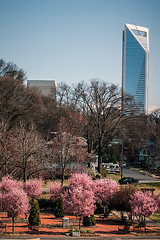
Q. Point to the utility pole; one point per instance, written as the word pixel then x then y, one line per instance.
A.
pixel 121 160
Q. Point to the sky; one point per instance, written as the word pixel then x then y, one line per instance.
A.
pixel 74 40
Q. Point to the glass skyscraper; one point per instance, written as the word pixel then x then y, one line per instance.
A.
pixel 135 62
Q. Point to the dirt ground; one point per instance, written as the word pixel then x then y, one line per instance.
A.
pixel 50 226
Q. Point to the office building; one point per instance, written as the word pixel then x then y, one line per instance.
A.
pixel 135 61
pixel 45 87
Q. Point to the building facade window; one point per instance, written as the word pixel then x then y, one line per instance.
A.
pixel 135 61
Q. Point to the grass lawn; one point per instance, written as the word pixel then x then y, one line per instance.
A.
pixel 155 185
pixel 114 177
pixel 155 217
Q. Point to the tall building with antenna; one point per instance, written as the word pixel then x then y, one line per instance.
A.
pixel 135 63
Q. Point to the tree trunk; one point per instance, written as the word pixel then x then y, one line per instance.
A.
pixel 80 223
pixel 13 224
pixel 100 159
pixel 62 180
pixel 24 174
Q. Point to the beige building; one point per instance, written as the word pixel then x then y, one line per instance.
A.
pixel 46 87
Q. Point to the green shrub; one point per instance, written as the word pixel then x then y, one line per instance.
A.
pixel 59 209
pixel 99 208
pixel 89 221
pixel 34 216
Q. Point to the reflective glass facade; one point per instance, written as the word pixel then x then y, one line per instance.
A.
pixel 135 64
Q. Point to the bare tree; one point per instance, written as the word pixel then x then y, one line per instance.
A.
pixel 154 134
pixel 67 144
pixel 11 69
pixel 66 97
pixel 101 103
pixel 134 136
pixel 49 117
pixel 23 152
pixel 18 102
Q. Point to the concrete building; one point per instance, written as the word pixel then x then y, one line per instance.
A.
pixel 135 62
pixel 46 87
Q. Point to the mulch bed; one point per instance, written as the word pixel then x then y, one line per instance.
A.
pixel 50 226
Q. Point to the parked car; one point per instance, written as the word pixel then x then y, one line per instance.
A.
pixel 111 167
pixel 128 180
pixel 124 165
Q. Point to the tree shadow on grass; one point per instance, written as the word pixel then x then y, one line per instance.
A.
pixel 108 222
pixel 46 233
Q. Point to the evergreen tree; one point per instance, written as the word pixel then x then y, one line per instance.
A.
pixel 114 158
pixel 89 221
pixel 59 209
pixel 34 217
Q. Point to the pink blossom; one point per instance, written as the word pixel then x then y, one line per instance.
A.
pixel 79 197
pixel 55 190
pixel 142 204
pixel 33 188
pixel 8 183
pixel 82 179
pixel 15 202
pixel 0 201
pixel 104 190
pixel 157 199
pixel 79 201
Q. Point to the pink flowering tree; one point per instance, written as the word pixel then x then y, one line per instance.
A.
pixel 33 188
pixel 157 199
pixel 13 198
pixel 15 202
pixel 55 190
pixel 79 197
pixel 0 202
pixel 142 205
pixel 8 183
pixel 104 190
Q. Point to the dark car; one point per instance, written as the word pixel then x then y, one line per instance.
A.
pixel 128 180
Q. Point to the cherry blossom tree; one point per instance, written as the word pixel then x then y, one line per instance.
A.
pixel 55 190
pixel 8 183
pixel 15 202
pixel 157 199
pixel 0 202
pixel 33 188
pixel 79 197
pixel 103 190
pixel 82 179
pixel 142 205
pixel 13 198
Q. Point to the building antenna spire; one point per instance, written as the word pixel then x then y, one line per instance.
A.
pixel 135 26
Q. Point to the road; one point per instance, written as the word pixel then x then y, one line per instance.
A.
pixel 143 178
